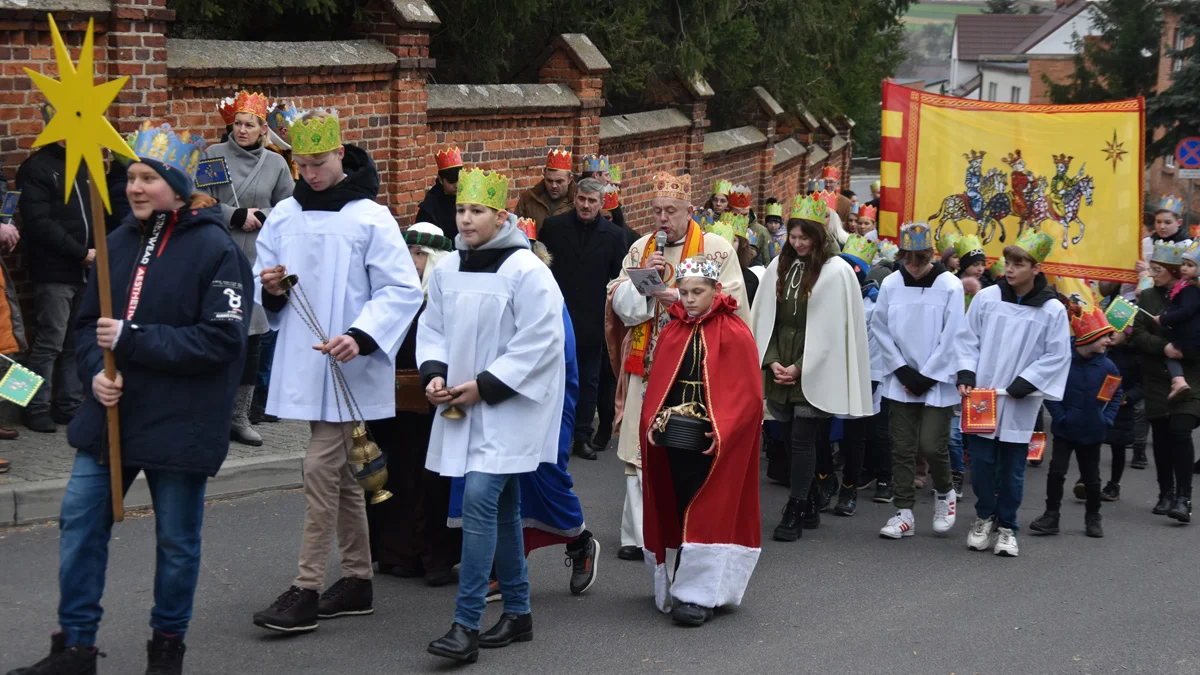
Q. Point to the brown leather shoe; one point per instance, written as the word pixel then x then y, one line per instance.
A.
pixel 8 433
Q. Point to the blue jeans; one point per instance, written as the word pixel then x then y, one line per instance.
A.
pixel 955 446
pixel 998 478
pixel 491 530
pixel 86 524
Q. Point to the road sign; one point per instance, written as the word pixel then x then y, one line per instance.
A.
pixel 1188 173
pixel 1187 153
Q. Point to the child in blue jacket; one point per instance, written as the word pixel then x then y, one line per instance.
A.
pixel 1081 419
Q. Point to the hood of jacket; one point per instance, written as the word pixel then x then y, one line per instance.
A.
pixel 361 182
pixel 202 210
pixel 1040 295
pixel 722 304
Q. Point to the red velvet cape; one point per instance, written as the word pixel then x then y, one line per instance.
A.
pixel 726 509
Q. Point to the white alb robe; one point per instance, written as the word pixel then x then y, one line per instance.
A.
pixel 919 328
pixel 1003 341
pixel 355 272
pixel 508 323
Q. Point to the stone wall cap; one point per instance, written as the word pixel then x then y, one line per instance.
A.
pixel 816 154
pixel 837 144
pixel 697 86
pixel 828 126
pixel 844 120
pixel 620 127
pixel 413 13
pixel 807 118
pixel 787 150
pixel 476 98
pixel 583 53
pixel 83 6
pixel 732 140
pixel 768 102
pixel 185 55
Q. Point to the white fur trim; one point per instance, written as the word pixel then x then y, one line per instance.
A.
pixel 711 575
pixel 662 584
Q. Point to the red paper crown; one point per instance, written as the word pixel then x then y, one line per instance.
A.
pixel 612 198
pixel 830 198
pixel 1090 326
pixel 739 197
pixel 448 158
pixel 225 107
pixel 254 103
pixel 559 159
pixel 867 212
pixel 529 227
pixel 831 172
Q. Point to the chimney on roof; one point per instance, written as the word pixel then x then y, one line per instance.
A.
pixel 1059 4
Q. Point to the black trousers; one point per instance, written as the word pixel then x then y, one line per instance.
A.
pixel 1118 462
pixel 1174 453
pixel 854 446
pixel 877 460
pixel 1088 456
pixel 606 398
pixel 689 470
pixel 250 369
pixel 590 358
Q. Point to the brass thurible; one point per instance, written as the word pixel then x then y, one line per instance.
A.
pixel 371 465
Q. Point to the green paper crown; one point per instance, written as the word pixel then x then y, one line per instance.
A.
pixel 947 242
pixel 314 136
pixel 775 210
pixel 1037 244
pixel 967 244
pixel 808 208
pixel 489 188
pixel 860 247
pixel 722 187
pixel 614 173
pixel 997 269
pixel 731 225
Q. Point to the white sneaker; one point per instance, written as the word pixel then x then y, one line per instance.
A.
pixel 944 507
pixel 1006 543
pixel 982 534
pixel 900 525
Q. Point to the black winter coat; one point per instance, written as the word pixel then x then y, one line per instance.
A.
pixel 585 258
pixel 57 236
pixel 1126 361
pixel 1149 339
pixel 1080 416
pixel 439 208
pixel 1182 319
pixel 181 354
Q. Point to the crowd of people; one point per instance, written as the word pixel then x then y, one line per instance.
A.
pixel 468 357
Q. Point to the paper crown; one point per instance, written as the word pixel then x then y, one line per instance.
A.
pixel 739 197
pixel 722 187
pixel 700 267
pixel 887 251
pixel 705 218
pixel 667 186
pixel 225 107
pixel 488 188
pixel 809 208
pixel 775 210
pixel 867 211
pixel 829 197
pixel 175 150
pixel 316 135
pixel 860 247
pixel 752 237
pixel 612 197
pixel 968 244
pixel 282 116
pixel 1171 203
pixel 448 158
pixel 876 185
pixel 1168 253
pixel 731 225
pixel 559 159
pixel 528 227
pixel 1192 252
pixel 915 237
pixel 947 242
pixel 614 173
pixel 254 103
pixel 1090 325
pixel 1037 244
pixel 997 268
pixel 595 163
pixel 831 172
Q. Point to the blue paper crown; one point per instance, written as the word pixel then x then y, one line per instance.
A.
pixel 178 151
pixel 916 237
pixel 282 115
pixel 1171 203
pixel 1168 253
pixel 595 163
pixel 705 218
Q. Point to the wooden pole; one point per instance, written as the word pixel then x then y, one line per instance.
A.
pixel 104 288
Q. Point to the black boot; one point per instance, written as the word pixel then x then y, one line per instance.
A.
pixel 164 654
pixel 810 515
pixel 258 405
pixel 1111 492
pixel 1047 523
pixel 1139 459
pixel 691 614
pixel 582 450
pixel 789 527
pixel 509 629
pixel 1091 526
pixel 829 488
pixel 460 644
pixel 63 660
pixel 847 502
pixel 1181 509
pixel 1165 500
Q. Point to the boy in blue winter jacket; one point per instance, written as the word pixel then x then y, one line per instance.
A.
pixel 1081 419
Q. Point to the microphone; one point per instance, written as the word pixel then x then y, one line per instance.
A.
pixel 660 245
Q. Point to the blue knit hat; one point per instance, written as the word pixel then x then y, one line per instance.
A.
pixel 173 156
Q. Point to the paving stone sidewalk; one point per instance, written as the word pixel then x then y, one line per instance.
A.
pixel 41 463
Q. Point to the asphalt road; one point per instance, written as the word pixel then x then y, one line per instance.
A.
pixel 841 600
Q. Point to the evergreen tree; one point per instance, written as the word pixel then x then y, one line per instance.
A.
pixel 1121 62
pixel 1177 109
pixel 1001 7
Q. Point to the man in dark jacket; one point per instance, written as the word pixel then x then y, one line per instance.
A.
pixel 59 245
pixel 554 194
pixel 438 206
pixel 587 252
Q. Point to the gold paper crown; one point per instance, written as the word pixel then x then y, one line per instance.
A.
pixel 975 155
pixel 667 186
pixel 488 188
pixel 316 135
pixel 809 208
pixel 254 103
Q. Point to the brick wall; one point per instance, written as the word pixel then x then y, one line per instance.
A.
pixel 1160 178
pixel 1058 69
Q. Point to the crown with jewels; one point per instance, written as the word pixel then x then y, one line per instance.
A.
pixel 829 197
pixel 1062 159
pixel 860 247
pixel 1013 157
pixel 947 242
pixel 731 225
pixel 614 173
pixel 528 227
pixel 448 158
pixel 316 135
pixel 974 155
pixel 915 237
pixel 705 218
pixel 1037 244
pixel 254 103
pixel 739 197
pixel 700 267
pixel 1192 252
pixel 175 150
pixel 968 244
pixel 867 212
pixel 595 163
pixel 1090 326
pixel 489 188
pixel 559 159
pixel 282 116
pixel 1171 203
pixel 1168 253
pixel 831 172
pixel 722 187
pixel 612 197
pixel 225 107
pixel 887 252
pixel 809 208
pixel 775 210
pixel 667 186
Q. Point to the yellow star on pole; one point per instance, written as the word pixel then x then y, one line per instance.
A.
pixel 79 107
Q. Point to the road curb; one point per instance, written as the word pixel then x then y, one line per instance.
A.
pixel 39 502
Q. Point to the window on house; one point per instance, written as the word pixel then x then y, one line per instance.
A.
pixel 1170 161
pixel 1016 95
pixel 992 89
pixel 1176 62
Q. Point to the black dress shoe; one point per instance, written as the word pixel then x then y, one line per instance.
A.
pixel 438 578
pixel 41 423
pixel 630 553
pixel 582 450
pixel 509 629
pixel 408 569
pixel 691 614
pixel 599 442
pixel 460 644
